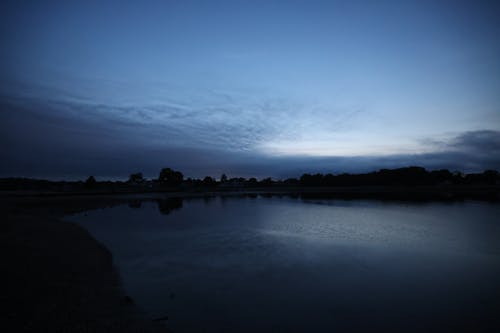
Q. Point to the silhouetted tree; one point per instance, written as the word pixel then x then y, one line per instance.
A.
pixel 170 177
pixel 306 179
pixel 190 182
pixel 458 177
pixel 291 182
pixel 409 176
pixel 208 181
pixel 491 177
pixel 90 182
pixel 223 178
pixel 266 181
pixel 441 176
pixel 252 182
pixel 136 178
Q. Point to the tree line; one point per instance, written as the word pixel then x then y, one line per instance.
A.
pixel 385 177
pixel 170 178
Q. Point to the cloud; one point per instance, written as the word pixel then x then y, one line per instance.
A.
pixel 43 138
pixel 477 142
pixel 218 119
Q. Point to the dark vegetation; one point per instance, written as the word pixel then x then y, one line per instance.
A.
pixel 172 180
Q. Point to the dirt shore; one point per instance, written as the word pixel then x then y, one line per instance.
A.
pixel 59 278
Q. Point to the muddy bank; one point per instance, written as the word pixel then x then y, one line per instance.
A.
pixel 59 278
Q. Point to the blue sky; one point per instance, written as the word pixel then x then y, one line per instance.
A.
pixel 247 87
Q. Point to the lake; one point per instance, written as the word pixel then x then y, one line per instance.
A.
pixel 284 264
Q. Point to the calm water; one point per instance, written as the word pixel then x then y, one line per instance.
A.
pixel 289 265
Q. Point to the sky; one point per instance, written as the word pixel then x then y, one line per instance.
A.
pixel 248 88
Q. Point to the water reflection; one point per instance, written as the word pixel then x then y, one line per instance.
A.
pixel 270 264
pixel 135 204
pixel 166 206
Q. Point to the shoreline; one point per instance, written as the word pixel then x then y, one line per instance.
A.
pixel 60 279
pixel 409 193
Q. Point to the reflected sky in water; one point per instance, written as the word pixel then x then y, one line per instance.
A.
pixel 290 265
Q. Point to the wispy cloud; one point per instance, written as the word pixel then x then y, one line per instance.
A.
pixel 50 138
pixel 215 119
